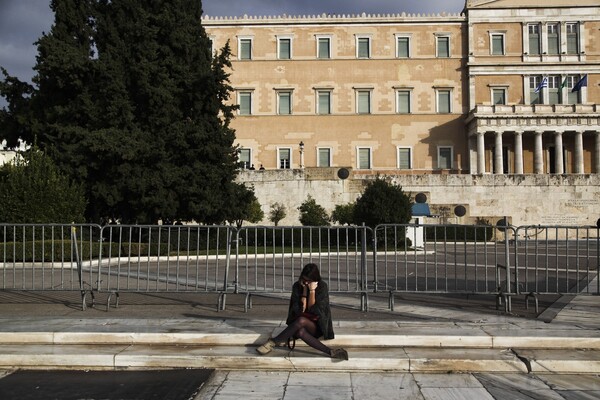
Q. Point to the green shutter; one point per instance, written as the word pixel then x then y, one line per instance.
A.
pixel 403 47
pixel 324 103
pixel 285 103
pixel 324 157
pixel 364 102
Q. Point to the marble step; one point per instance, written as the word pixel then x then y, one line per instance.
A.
pixel 399 359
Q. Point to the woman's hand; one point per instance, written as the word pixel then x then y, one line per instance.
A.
pixel 313 285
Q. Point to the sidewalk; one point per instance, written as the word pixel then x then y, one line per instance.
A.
pixel 50 331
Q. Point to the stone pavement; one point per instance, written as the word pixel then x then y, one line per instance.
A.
pixel 441 348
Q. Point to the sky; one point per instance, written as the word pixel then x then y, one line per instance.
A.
pixel 22 22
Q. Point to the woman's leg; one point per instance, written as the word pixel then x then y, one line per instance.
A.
pixel 305 329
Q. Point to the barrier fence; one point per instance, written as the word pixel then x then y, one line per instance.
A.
pixel 472 259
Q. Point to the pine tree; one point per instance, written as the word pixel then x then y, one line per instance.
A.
pixel 131 103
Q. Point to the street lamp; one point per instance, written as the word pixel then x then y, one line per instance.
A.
pixel 301 145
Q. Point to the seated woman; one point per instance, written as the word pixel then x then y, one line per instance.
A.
pixel 309 316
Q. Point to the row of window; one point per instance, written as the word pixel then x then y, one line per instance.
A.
pixel 540 39
pixel 445 157
pixel 324 49
pixel 557 89
pixel 363 101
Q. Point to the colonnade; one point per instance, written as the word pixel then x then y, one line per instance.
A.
pixel 538 156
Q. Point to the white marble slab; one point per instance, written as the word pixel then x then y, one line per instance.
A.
pixel 456 394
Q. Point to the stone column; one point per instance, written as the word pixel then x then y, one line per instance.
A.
pixel 480 153
pixel 597 154
pixel 518 152
pixel 538 156
pixel 558 153
pixel 498 157
pixel 578 152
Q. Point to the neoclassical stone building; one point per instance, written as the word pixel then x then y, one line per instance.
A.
pixel 420 93
pixel 505 87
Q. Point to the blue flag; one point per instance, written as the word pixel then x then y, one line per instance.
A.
pixel 543 84
pixel 582 82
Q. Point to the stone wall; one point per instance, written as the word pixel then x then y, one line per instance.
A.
pixel 525 199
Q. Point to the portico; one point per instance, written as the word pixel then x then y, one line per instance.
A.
pixel 518 139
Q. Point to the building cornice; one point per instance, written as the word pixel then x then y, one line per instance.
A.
pixel 333 19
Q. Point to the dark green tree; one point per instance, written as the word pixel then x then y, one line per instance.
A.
pixel 131 103
pixel 343 214
pixel 313 214
pixel 33 190
pixel 382 202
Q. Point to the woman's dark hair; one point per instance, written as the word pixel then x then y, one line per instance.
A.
pixel 311 272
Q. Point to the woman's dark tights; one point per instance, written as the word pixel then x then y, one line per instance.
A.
pixel 305 329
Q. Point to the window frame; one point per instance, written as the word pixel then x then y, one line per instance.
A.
pixel 534 82
pixel 577 35
pixel 439 91
pixel 250 94
pixel 244 39
pixel 438 37
pixel 361 39
pixel 555 35
pixel 439 148
pixel 290 93
pixel 370 155
pixel 329 47
pixel 408 38
pixel 539 38
pixel 409 92
pixel 357 97
pixel 279 159
pixel 502 36
pixel 279 40
pixel 318 103
pixel 410 157
pixel 329 156
pixel 249 150
pixel 504 90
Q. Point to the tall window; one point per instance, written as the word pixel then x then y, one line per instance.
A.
pixel 443 46
pixel 245 102
pixel 244 157
pixel 573 97
pixel 553 39
pixel 403 101
pixel 554 89
pixel 535 90
pixel 444 105
pixel 497 41
pixel 284 102
pixel 499 96
pixel 323 47
pixel 284 48
pixel 404 158
pixel 534 39
pixel 324 102
pixel 324 157
pixel 245 49
pixel 364 158
pixel 363 47
pixel 363 101
pixel 284 156
pixel 445 157
pixel 403 46
pixel 572 38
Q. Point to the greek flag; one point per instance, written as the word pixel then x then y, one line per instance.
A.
pixel 582 82
pixel 543 84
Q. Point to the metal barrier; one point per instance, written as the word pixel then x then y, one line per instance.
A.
pixel 452 259
pixel 52 257
pixel 556 260
pixel 165 258
pixel 503 261
pixel 270 259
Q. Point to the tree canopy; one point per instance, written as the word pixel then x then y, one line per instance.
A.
pixel 129 100
pixel 382 202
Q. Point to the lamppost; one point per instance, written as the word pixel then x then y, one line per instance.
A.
pixel 301 145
